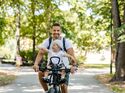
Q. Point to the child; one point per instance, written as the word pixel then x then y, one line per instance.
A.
pixel 56 52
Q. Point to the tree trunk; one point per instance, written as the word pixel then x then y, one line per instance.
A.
pixel 48 13
pixel 122 59
pixel 112 48
pixel 123 47
pixel 18 29
pixel 116 24
pixel 34 28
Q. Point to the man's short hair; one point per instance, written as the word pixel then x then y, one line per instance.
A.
pixel 56 24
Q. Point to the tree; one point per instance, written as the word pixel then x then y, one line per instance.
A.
pixel 2 25
pixel 92 23
pixel 18 26
pixel 120 46
pixel 33 5
pixel 83 18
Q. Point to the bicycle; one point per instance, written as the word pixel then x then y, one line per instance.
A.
pixel 54 77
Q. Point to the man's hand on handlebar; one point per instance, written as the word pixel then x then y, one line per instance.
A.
pixel 49 67
pixel 36 68
pixel 73 69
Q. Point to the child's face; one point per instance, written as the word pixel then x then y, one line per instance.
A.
pixel 55 47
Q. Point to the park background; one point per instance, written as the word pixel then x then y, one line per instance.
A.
pixel 94 26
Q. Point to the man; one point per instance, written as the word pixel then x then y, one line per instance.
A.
pixel 56 34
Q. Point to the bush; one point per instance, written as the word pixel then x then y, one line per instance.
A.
pixel 81 59
pixel 27 56
pixel 5 53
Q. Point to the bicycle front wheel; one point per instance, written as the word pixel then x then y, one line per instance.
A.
pixel 54 90
pixel 51 90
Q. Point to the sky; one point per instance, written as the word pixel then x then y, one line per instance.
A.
pixel 65 6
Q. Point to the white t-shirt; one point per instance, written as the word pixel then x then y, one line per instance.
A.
pixel 68 45
pixel 56 57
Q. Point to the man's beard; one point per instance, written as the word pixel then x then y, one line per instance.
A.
pixel 56 36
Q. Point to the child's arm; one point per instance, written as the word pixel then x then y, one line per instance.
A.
pixel 69 56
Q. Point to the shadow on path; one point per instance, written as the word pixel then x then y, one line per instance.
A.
pixel 81 82
pixel 85 82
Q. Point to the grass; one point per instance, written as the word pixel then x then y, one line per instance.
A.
pixel 117 87
pixel 6 78
pixel 94 65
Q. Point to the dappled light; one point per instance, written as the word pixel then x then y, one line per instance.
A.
pixel 26 81
pixel 22 90
pixel 33 90
pixel 90 32
pixel 6 91
pixel 82 80
pixel 85 81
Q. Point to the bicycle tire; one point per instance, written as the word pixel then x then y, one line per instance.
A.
pixel 53 90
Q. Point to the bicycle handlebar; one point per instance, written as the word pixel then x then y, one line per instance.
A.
pixel 66 69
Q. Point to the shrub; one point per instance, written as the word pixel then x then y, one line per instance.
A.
pixel 27 56
pixel 81 59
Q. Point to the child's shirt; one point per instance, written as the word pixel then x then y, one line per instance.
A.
pixel 68 45
pixel 56 57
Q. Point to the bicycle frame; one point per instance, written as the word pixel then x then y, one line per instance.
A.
pixel 54 78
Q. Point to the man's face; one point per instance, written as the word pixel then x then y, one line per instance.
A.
pixel 56 31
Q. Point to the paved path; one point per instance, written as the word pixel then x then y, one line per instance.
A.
pixel 81 82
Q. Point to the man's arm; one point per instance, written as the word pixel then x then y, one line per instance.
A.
pixel 38 59
pixel 70 51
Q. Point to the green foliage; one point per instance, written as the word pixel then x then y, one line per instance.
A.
pixel 2 25
pixel 99 66
pixel 27 54
pixel 8 50
pixel 121 38
pixel 93 20
pixel 81 59
pixel 116 89
pixel 5 53
pixel 82 23
pixel 120 33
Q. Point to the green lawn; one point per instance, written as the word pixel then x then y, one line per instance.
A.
pixel 95 65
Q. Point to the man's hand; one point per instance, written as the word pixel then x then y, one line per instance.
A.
pixel 49 67
pixel 36 68
pixel 73 69
pixel 38 59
